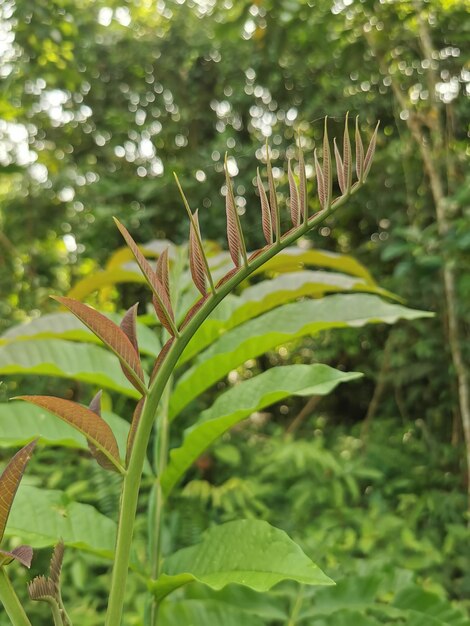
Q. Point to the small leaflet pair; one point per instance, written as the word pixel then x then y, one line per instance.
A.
pixel 122 340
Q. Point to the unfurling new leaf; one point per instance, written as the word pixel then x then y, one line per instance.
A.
pixel 294 197
pixel 196 255
pixel 327 173
pixel 359 153
pixel 129 325
pixel 266 219
pixel 347 158
pixel 320 181
pixel 47 588
pixel 236 244
pixel 370 152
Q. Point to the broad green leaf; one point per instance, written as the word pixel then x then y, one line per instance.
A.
pixel 241 401
pixel 67 326
pixel 20 422
pixel 43 516
pixel 10 481
pixel 269 294
pixel 86 421
pixel 343 617
pixel 295 258
pixel 204 613
pixel 268 606
pixel 104 278
pixel 278 326
pixel 66 359
pixel 352 593
pixel 419 601
pixel 246 552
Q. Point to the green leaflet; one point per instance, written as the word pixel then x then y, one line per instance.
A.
pixel 67 326
pixel 278 326
pixel 204 613
pixel 66 359
pixel 42 516
pixel 241 401
pixel 269 294
pixel 246 552
pixel 19 422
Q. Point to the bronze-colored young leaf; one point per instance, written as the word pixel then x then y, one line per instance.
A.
pixel 293 197
pixel 55 567
pixel 320 181
pixel 339 168
pixel 112 336
pixel 10 481
pixel 133 429
pixel 160 299
pixel 303 187
pixel 275 215
pixel 196 246
pixel 359 153
pixel 326 163
pixel 164 351
pixel 22 554
pixel 370 151
pixel 100 457
pixel 347 158
pixel 196 259
pixel 163 275
pixel 129 325
pixel 266 219
pixel 86 421
pixel 233 228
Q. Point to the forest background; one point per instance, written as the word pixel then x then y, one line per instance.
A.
pixel 101 102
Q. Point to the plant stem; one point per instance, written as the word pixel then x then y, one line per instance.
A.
pixel 56 613
pixel 160 462
pixel 11 602
pixel 132 479
pixel 297 606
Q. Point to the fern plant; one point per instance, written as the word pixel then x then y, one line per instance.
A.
pixel 248 552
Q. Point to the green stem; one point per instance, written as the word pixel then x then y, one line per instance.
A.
pixel 297 606
pixel 160 462
pixel 56 613
pixel 132 479
pixel 11 602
